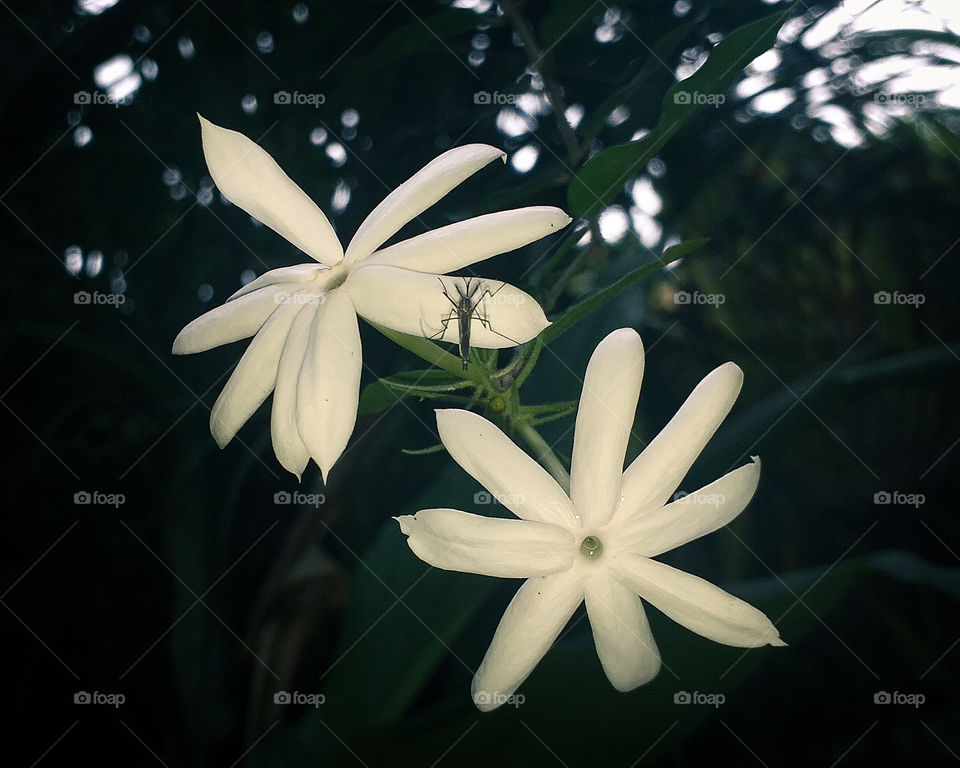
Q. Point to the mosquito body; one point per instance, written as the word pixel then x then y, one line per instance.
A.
pixel 466 308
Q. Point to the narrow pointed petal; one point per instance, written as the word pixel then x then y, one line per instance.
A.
pixel 497 464
pixel 329 388
pixel 458 541
pixel 298 274
pixel 530 625
pixel 414 302
pixel 284 432
pixel 693 516
pixel 230 322
pixel 253 378
pixel 608 404
pixel 251 179
pixel 625 645
pixel 459 245
pixel 657 471
pixel 418 193
pixel 696 604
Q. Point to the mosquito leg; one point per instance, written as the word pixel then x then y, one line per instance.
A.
pixel 449 297
pixel 479 313
pixel 444 323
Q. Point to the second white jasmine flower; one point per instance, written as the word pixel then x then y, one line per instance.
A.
pixel 595 545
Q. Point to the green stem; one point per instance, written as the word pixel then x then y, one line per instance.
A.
pixel 535 347
pixel 544 453
pixel 596 252
pixel 540 63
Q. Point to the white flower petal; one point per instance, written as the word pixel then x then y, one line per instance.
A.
pixel 418 193
pixel 251 179
pixel 291 452
pixel 608 404
pixel 415 303
pixel 329 387
pixel 692 516
pixel 298 273
pixel 253 378
pixel 455 246
pixel 625 645
pixel 229 322
pixel 458 541
pixel 533 620
pixel 696 604
pixel 657 471
pixel 494 461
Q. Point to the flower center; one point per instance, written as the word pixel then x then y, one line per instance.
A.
pixel 591 548
pixel 335 277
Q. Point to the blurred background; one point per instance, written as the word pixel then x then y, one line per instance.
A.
pixel 165 603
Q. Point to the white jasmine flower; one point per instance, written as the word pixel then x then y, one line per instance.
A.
pixel 595 545
pixel 306 346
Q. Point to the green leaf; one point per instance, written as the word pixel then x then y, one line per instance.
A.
pixel 563 17
pixel 541 414
pixel 578 311
pixel 915 364
pixel 427 350
pixel 420 33
pixel 567 695
pixel 385 392
pixel 423 451
pixel 638 93
pixel 402 618
pixel 603 177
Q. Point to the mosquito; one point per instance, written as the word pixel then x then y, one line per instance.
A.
pixel 466 308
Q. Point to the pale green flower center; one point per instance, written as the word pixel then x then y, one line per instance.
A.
pixel 591 548
pixel 336 277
